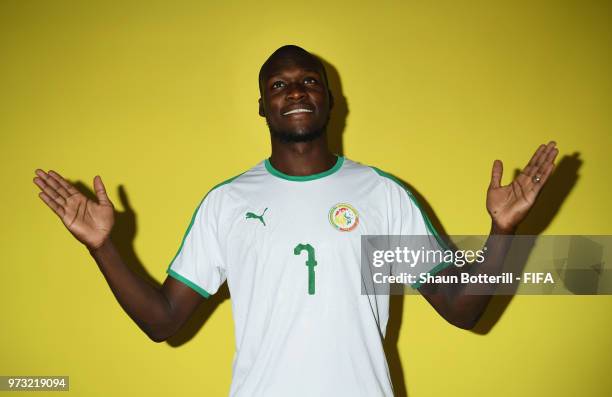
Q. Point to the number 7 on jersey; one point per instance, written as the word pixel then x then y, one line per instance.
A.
pixel 310 262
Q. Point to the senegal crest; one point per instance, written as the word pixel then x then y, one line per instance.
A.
pixel 343 217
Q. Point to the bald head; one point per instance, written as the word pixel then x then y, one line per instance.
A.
pixel 289 55
pixel 292 77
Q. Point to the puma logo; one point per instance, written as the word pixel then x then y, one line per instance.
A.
pixel 250 215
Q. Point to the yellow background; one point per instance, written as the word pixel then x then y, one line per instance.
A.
pixel 161 98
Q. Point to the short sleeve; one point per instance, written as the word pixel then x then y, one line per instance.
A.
pixel 413 229
pixel 199 262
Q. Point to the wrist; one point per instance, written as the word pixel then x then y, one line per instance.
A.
pixel 502 229
pixel 103 246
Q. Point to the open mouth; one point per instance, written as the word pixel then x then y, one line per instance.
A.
pixel 296 111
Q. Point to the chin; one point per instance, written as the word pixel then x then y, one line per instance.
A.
pixel 297 136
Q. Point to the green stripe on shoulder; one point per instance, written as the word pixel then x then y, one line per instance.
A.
pixel 194 216
pixel 225 182
pixel 430 227
pixel 428 223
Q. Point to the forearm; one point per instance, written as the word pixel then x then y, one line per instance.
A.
pixel 143 302
pixel 508 206
pixel 463 304
pixel 471 300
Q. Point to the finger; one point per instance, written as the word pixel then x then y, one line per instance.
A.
pixel 546 172
pixel 496 174
pixel 53 184
pixel 549 159
pixel 530 167
pixel 550 147
pixel 552 155
pixel 49 191
pixel 549 166
pixel 59 211
pixel 65 184
pixel 101 191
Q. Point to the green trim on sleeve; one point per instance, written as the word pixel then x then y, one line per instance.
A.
pixel 304 178
pixel 188 283
pixel 187 232
pixel 192 222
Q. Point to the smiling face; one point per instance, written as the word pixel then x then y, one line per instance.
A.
pixel 295 99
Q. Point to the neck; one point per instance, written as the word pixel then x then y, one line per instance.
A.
pixel 302 158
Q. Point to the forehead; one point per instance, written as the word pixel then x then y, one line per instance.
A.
pixel 290 65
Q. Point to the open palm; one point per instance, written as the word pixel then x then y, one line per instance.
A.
pixel 88 221
pixel 508 205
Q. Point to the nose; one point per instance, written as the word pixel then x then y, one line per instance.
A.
pixel 296 91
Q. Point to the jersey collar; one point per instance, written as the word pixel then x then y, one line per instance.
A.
pixel 304 178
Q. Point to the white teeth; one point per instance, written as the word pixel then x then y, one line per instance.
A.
pixel 297 111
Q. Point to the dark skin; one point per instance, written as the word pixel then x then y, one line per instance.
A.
pixel 289 82
pixel 292 83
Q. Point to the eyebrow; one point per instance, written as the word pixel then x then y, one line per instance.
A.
pixel 307 70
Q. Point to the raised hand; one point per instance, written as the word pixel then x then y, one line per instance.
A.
pixel 88 221
pixel 508 205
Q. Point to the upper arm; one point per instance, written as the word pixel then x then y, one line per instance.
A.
pixel 407 219
pixel 439 298
pixel 445 299
pixel 198 268
pixel 436 296
pixel 182 300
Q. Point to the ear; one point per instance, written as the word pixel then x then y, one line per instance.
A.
pixel 261 109
pixel 331 100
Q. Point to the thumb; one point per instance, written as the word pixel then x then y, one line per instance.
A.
pixel 101 191
pixel 496 174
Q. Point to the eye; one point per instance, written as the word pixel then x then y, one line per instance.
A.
pixel 277 84
pixel 310 80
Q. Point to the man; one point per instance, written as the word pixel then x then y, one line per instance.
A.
pixel 285 235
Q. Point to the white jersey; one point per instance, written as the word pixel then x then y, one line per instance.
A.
pixel 289 248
